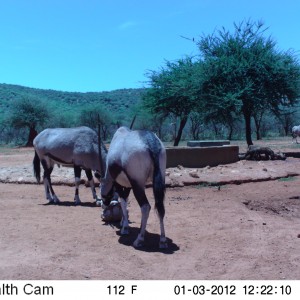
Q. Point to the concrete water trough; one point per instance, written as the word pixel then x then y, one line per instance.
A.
pixel 208 143
pixel 199 157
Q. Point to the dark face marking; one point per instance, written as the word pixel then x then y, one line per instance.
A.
pixel 107 198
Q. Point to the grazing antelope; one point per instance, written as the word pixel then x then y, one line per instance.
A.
pixel 134 159
pixel 295 133
pixel 71 147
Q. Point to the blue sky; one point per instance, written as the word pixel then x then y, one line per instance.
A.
pixel 102 45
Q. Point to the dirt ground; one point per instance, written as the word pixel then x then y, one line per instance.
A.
pixel 237 221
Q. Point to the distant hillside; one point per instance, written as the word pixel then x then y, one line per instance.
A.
pixel 116 101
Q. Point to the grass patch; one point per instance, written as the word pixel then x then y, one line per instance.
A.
pixel 5 149
pixel 207 184
pixel 287 179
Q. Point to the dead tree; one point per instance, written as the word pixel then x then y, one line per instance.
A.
pixel 262 153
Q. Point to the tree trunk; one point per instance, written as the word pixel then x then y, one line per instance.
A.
pixel 287 127
pixel 31 136
pixel 180 130
pixel 258 136
pixel 258 120
pixel 216 129
pixel 247 117
pixel 230 132
pixel 286 130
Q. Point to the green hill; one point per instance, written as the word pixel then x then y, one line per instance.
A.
pixel 118 101
pixel 66 109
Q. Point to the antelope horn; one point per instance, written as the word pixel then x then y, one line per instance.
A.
pixel 102 174
pixel 132 122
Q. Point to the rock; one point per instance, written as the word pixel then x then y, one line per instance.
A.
pixel 177 174
pixel 194 174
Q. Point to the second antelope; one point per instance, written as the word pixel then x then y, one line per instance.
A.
pixel 134 159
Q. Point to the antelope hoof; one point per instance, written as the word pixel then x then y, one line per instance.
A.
pixel 54 200
pixel 98 202
pixel 125 230
pixel 77 200
pixel 138 243
pixel 163 244
pixel 50 199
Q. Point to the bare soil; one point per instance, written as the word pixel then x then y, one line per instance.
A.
pixel 237 221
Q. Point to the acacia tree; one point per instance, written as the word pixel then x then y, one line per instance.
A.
pixel 29 113
pixel 196 122
pixel 174 91
pixel 221 111
pixel 287 118
pixel 90 115
pixel 245 73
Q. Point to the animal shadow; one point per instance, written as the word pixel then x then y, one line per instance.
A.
pixel 151 241
pixel 71 203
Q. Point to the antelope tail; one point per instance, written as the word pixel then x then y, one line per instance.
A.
pixel 37 167
pixel 158 178
pixel 159 190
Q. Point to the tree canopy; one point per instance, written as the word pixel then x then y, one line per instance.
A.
pixel 92 114
pixel 239 73
pixel 30 113
pixel 245 73
pixel 239 78
pixel 175 91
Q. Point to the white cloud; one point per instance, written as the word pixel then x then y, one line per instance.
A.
pixel 127 25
